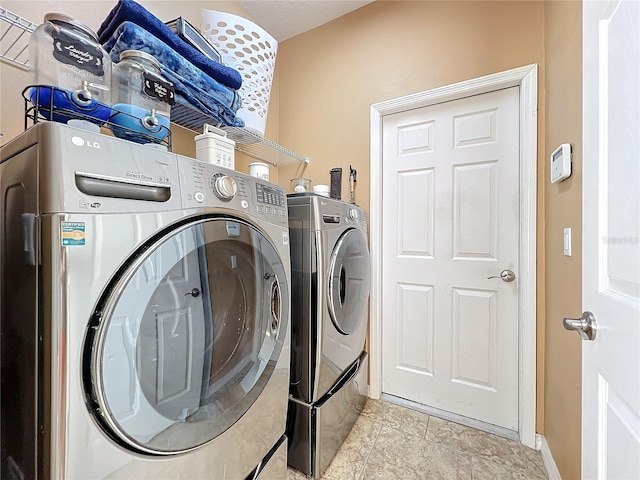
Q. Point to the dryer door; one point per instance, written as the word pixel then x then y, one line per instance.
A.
pixel 187 336
pixel 349 281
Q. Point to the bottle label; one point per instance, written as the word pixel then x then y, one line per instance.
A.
pixel 73 51
pixel 156 88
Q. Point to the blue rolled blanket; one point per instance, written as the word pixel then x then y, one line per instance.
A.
pixel 130 11
pixel 193 87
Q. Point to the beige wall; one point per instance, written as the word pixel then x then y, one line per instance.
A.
pixel 331 75
pixel 563 201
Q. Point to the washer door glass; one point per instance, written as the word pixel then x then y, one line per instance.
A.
pixel 349 281
pixel 188 336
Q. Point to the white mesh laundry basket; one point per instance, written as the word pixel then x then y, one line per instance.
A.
pixel 249 49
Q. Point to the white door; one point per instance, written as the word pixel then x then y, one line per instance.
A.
pixel 611 239
pixel 450 220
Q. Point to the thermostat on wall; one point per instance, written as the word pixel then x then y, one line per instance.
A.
pixel 561 163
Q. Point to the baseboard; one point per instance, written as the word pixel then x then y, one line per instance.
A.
pixel 547 458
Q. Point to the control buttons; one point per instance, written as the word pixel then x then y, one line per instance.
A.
pixel 223 186
pixel 269 195
pixel 244 204
pixel 198 197
pixel 353 214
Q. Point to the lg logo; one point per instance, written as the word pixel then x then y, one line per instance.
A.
pixel 80 142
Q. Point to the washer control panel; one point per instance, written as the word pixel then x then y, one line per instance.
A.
pixel 208 185
pixel 271 200
pixel 270 195
pixel 223 186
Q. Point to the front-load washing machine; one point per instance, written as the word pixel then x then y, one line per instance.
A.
pixel 329 310
pixel 144 313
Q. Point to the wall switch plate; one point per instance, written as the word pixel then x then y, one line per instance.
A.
pixel 567 242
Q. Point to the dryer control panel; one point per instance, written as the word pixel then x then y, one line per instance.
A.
pixel 335 213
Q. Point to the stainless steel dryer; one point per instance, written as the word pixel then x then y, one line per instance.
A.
pixel 329 298
pixel 144 313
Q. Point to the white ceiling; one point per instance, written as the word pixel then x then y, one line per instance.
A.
pixel 284 19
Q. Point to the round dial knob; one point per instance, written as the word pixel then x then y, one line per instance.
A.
pixel 353 214
pixel 224 186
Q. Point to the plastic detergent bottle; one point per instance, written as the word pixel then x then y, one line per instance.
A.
pixel 72 71
pixel 142 98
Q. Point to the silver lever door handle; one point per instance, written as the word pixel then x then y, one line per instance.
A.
pixel 505 276
pixel 586 325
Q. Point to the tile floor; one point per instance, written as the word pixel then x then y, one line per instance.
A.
pixel 391 442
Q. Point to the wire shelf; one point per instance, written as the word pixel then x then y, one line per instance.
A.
pixel 14 39
pixel 41 106
pixel 262 148
pixel 246 140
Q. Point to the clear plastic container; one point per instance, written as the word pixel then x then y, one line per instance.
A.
pixel 72 71
pixel 300 185
pixel 143 96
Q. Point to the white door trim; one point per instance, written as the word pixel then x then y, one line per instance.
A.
pixel 527 78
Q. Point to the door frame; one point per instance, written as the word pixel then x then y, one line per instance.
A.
pixel 526 78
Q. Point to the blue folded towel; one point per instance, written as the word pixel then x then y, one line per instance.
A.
pixel 130 11
pixel 193 87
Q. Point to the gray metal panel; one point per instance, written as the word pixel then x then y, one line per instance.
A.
pixel 21 421
pixel 275 465
pixel 56 323
pixel 317 431
pixel 300 430
pixel 304 316
pixel 336 416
